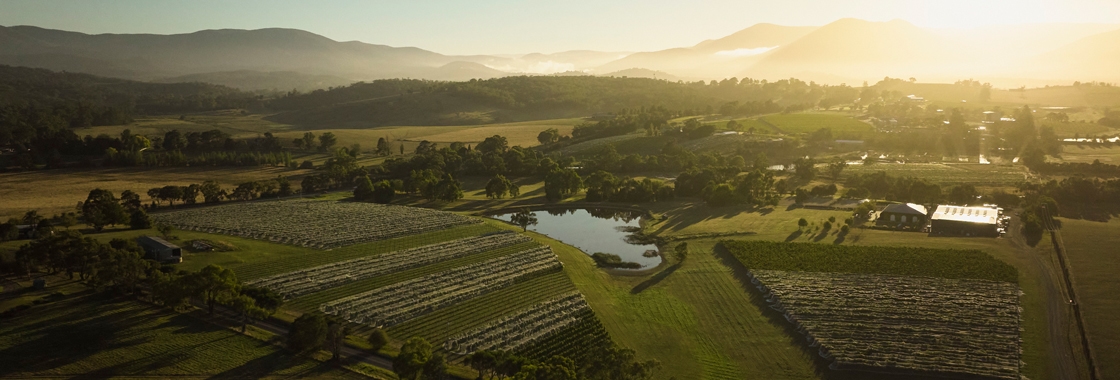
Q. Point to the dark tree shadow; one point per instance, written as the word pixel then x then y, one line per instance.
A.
pixel 793 236
pixel 822 235
pixel 657 278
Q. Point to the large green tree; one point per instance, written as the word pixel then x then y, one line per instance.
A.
pixel 216 285
pixel 412 359
pixel 307 333
pixel 101 209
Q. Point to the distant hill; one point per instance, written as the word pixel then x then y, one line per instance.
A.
pixel 249 80
pixel 642 73
pixel 417 102
pixel 41 105
pixel 150 56
pixel 845 51
pixel 860 50
pixel 723 57
pixel 1096 56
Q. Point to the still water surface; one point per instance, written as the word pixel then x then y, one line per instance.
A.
pixel 594 230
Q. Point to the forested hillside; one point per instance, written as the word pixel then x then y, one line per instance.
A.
pixel 418 102
pixel 38 104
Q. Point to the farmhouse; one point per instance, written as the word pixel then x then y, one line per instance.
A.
pixel 903 214
pixel 965 221
pixel 160 250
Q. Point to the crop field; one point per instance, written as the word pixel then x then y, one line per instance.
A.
pixel 903 261
pixel 521 328
pixel 396 303
pixel 85 335
pixel 950 174
pixel 841 126
pixel 856 302
pixel 313 279
pixel 888 323
pixel 437 284
pixel 1091 251
pixel 311 223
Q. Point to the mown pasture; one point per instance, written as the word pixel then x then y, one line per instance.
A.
pixel 59 190
pixel 1078 129
pixel 1091 254
pixel 1086 153
pixel 84 334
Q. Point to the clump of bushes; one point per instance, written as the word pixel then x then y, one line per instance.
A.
pixel 610 260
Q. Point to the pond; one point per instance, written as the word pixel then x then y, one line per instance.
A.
pixel 595 230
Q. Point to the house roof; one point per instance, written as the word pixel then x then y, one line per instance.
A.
pixel 906 208
pixel 155 241
pixel 983 215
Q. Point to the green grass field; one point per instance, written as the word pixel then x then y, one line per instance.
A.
pixel 842 126
pixel 697 318
pixel 1078 129
pixel 55 191
pixel 87 335
pixel 1093 264
pixel 1089 153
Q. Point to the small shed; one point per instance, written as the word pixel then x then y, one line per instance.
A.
pixel 156 248
pixel 904 213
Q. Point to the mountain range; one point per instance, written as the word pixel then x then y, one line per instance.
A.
pixel 845 51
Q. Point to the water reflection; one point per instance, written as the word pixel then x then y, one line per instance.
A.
pixel 595 230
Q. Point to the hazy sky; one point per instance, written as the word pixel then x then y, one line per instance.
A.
pixel 506 26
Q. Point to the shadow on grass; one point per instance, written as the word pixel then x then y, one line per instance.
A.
pixel 793 236
pixel 822 235
pixel 657 278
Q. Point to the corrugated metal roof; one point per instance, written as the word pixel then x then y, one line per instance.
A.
pixel 906 208
pixel 985 215
pixel 157 240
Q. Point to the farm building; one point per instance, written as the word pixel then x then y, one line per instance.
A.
pixel 160 250
pixel 965 221
pixel 903 214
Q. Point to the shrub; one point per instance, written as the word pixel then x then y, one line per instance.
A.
pixel 378 338
pixel 610 260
